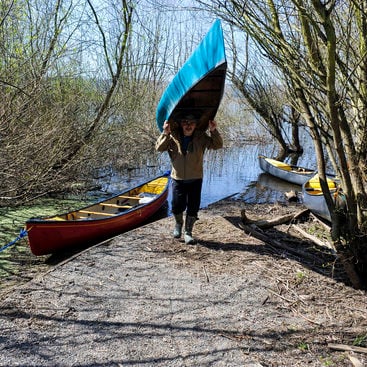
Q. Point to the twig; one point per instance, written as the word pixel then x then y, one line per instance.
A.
pixel 206 274
pixel 347 348
pixel 306 318
pixel 282 297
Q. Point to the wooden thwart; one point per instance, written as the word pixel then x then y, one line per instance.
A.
pixel 96 213
pixel 116 206
pixel 129 197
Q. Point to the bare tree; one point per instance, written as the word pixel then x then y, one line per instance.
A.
pixel 265 90
pixel 79 83
pixel 321 49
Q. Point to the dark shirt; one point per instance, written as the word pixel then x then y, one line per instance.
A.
pixel 185 143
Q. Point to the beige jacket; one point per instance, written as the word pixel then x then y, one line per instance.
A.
pixel 190 165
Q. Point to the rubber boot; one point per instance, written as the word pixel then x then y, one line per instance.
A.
pixel 178 226
pixel 189 224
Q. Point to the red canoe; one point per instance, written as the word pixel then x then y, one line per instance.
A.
pixel 98 221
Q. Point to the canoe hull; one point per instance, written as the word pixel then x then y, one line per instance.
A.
pixel 203 99
pixel 47 236
pixel 198 86
pixel 316 204
pixel 293 174
pixel 314 200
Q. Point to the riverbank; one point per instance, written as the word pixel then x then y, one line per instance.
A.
pixel 144 299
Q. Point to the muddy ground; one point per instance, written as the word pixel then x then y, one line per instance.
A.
pixel 145 299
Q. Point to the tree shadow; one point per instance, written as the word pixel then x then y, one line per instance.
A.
pixel 314 257
pixel 84 334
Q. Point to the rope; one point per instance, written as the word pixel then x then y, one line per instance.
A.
pixel 23 232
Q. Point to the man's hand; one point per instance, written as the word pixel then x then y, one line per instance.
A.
pixel 166 128
pixel 212 125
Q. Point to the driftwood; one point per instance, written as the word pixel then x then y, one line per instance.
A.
pixel 257 233
pixel 254 227
pixel 314 238
pixel 355 362
pixel 289 218
pixel 268 223
pixel 347 348
pixel 316 219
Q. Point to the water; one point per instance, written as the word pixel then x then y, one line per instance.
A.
pixel 228 172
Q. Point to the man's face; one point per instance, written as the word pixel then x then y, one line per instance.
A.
pixel 188 127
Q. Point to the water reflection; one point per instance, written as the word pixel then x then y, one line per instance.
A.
pixel 267 189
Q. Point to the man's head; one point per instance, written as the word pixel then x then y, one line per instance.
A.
pixel 188 124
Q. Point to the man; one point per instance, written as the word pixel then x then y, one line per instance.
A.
pixel 186 146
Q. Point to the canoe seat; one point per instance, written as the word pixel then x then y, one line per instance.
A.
pixel 279 164
pixel 116 205
pixel 129 197
pixel 313 191
pixel 96 213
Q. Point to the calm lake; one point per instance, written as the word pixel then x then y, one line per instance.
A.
pixel 232 171
pixel 227 172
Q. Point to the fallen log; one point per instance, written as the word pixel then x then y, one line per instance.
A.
pixel 314 238
pixel 268 223
pixel 316 219
pixel 256 232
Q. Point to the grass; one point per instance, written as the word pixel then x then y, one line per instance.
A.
pixel 17 261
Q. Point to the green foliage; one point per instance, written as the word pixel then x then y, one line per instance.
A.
pixel 303 346
pixel 300 277
pixel 79 91
pixel 327 361
pixel 360 341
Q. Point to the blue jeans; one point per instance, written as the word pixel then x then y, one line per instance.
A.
pixel 186 194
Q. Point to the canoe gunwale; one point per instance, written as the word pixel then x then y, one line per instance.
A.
pixel 49 219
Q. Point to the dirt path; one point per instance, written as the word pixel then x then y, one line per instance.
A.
pixel 144 299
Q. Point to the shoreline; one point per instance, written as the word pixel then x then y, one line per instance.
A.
pixel 143 298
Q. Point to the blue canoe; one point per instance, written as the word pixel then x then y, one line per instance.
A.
pixel 198 86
